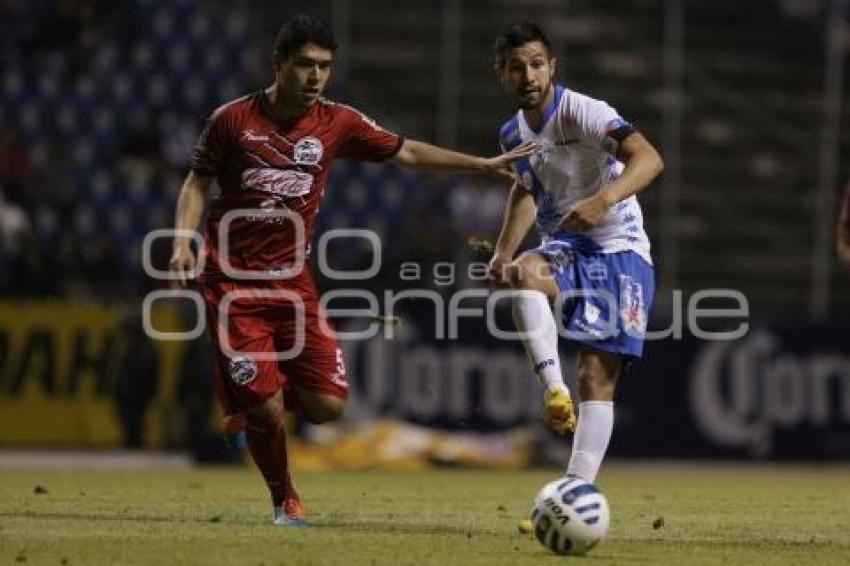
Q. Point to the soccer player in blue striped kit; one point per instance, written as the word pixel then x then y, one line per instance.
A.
pixel 594 261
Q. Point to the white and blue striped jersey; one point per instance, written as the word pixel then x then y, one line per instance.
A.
pixel 578 143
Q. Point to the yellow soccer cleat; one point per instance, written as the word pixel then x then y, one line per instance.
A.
pixel 558 411
pixel 525 526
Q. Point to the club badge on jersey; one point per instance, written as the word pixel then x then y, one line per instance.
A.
pixel 308 151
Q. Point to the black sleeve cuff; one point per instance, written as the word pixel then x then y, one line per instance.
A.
pixel 396 149
pixel 622 132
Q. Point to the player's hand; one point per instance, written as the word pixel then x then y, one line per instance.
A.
pixel 499 269
pixel 499 166
pixel 586 214
pixel 182 267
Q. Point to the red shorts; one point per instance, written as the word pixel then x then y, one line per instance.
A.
pixel 266 320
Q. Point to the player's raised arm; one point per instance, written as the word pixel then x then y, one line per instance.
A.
pixel 190 207
pixel 421 155
pixel 642 165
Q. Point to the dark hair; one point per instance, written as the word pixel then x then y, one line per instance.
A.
pixel 299 31
pixel 516 35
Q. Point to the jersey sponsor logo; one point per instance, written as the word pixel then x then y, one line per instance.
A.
pixel 632 310
pixel 249 135
pixel 308 151
pixel 281 182
pixel 243 370
pixel 549 215
pixel 527 180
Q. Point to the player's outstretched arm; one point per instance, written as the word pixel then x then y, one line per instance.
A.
pixel 642 165
pixel 421 155
pixel 519 217
pixel 190 207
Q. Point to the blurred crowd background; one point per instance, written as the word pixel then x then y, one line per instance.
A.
pixel 101 103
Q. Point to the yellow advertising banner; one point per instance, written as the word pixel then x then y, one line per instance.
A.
pixel 63 366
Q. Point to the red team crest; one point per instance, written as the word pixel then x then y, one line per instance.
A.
pixel 243 370
pixel 308 151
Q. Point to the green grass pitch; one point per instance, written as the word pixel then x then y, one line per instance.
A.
pixel 712 514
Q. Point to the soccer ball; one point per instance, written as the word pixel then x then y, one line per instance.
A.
pixel 570 516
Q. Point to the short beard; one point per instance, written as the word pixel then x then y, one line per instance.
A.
pixel 543 96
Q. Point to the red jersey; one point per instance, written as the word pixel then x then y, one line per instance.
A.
pixel 267 168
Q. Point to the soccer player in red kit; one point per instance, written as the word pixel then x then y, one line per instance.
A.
pixel 270 153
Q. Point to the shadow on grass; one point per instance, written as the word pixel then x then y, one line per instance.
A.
pixel 111 517
pixel 392 527
pixel 368 527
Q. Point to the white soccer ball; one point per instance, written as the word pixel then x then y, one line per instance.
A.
pixel 570 516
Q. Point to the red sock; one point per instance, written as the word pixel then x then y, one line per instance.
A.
pixel 267 443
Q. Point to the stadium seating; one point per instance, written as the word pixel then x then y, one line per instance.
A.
pixel 114 111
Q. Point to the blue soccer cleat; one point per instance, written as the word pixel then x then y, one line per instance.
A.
pixel 236 441
pixel 282 518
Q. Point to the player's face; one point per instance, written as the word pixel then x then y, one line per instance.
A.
pixel 526 75
pixel 303 76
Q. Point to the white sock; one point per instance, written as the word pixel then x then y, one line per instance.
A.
pixel 534 319
pixel 595 423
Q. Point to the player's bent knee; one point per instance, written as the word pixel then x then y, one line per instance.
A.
pixel 524 271
pixel 531 272
pixel 329 410
pixel 514 275
pixel 320 408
